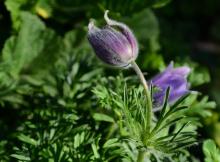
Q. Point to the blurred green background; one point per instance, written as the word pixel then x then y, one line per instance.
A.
pixel 47 67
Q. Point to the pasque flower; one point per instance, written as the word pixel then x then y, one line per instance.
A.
pixel 114 44
pixel 176 79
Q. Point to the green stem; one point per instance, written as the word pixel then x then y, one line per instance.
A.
pixel 148 96
pixel 140 156
pixel 111 130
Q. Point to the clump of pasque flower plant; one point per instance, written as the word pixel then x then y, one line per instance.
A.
pixel 116 45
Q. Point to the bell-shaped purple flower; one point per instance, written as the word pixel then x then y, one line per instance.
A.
pixel 176 79
pixel 114 44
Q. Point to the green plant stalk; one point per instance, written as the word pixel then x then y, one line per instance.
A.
pixel 140 156
pixel 148 109
pixel 112 130
pixel 148 96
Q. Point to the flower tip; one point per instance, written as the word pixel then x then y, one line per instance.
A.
pixel 184 71
pixel 188 70
pixel 107 19
pixel 171 65
pixel 110 21
pixel 106 13
pixel 91 25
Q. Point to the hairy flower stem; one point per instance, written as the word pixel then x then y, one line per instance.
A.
pixel 140 157
pixel 148 96
pixel 148 109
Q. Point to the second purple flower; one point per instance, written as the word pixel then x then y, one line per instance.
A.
pixel 176 79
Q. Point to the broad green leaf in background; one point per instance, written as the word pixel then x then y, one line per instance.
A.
pixel 199 76
pixel 15 7
pixel 34 41
pixel 212 153
pixel 200 107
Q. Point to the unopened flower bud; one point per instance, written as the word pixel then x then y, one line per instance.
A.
pixel 114 44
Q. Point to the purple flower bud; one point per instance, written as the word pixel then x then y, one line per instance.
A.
pixel 175 78
pixel 114 46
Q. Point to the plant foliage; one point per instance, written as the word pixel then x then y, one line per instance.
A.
pixel 59 103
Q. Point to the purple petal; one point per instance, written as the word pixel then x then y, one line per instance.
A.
pixel 163 74
pixel 127 33
pixel 184 71
pixel 177 94
pixel 175 78
pixel 110 45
